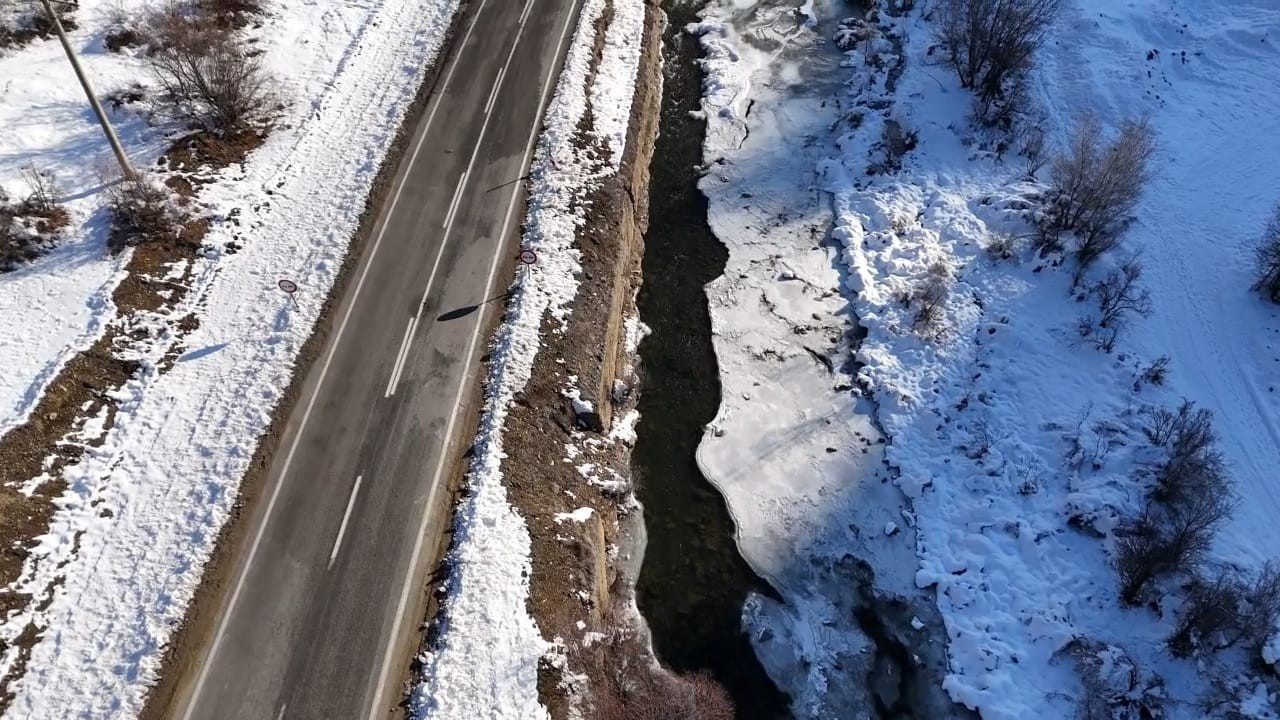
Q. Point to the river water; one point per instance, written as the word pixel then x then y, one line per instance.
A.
pixel 693 582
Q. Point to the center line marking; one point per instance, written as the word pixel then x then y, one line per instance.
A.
pixel 475 153
pixel 376 710
pixel 401 356
pixel 206 663
pixel 342 529
pixel 282 709
pixel 524 15
pixel 457 195
pixel 493 94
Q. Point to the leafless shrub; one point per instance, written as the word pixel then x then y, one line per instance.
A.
pixel 1031 147
pixel 1003 246
pixel 991 44
pixel 1194 465
pixel 1226 610
pixel 1115 686
pixel 30 228
pixel 1097 184
pixel 632 687
pixel 1119 298
pixel 1211 615
pixel 1186 425
pixel 930 297
pixel 204 72
pixel 1168 540
pixel 140 212
pixel 1157 371
pixel 22 21
pixel 42 195
pixel 1262 607
pixel 123 30
pixel 1266 258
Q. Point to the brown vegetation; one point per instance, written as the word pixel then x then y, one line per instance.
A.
pixel 22 21
pixel 203 70
pixel 29 228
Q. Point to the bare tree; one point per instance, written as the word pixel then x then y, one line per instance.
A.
pixel 991 44
pixel 1119 298
pixel 201 68
pixel 1266 258
pixel 1097 184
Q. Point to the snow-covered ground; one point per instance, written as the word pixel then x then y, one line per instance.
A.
pixel 795 452
pixel 980 414
pixel 142 509
pixel 484 662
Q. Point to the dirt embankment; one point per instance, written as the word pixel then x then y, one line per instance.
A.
pixel 581 590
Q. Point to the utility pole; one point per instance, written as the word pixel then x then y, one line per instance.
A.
pixel 121 158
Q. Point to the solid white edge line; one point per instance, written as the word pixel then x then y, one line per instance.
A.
pixel 395 368
pixel 280 714
pixel 453 416
pixel 324 370
pixel 524 14
pixel 342 529
pixel 475 152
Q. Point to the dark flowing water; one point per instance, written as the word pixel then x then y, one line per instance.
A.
pixel 693 581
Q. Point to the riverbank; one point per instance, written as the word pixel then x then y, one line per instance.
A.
pixel 795 447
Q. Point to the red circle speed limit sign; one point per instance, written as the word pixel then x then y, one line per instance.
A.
pixel 528 257
pixel 288 286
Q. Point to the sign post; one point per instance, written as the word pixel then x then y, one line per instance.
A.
pixel 289 287
pixel 527 258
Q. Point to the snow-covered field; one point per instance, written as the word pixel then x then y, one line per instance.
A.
pixel 484 662
pixel 982 415
pixel 142 509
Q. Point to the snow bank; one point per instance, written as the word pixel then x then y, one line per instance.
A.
pixel 485 661
pixel 1007 434
pixel 142 510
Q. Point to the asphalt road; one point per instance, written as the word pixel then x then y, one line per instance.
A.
pixel 321 617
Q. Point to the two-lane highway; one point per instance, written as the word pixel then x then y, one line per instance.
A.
pixel 321 615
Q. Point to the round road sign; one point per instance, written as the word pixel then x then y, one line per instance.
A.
pixel 288 286
pixel 528 257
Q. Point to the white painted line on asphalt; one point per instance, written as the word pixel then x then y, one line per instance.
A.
pixel 324 371
pixel 342 529
pixel 457 195
pixel 524 14
pixel 475 152
pixel 375 711
pixel 400 358
pixel 493 94
pixel 280 714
